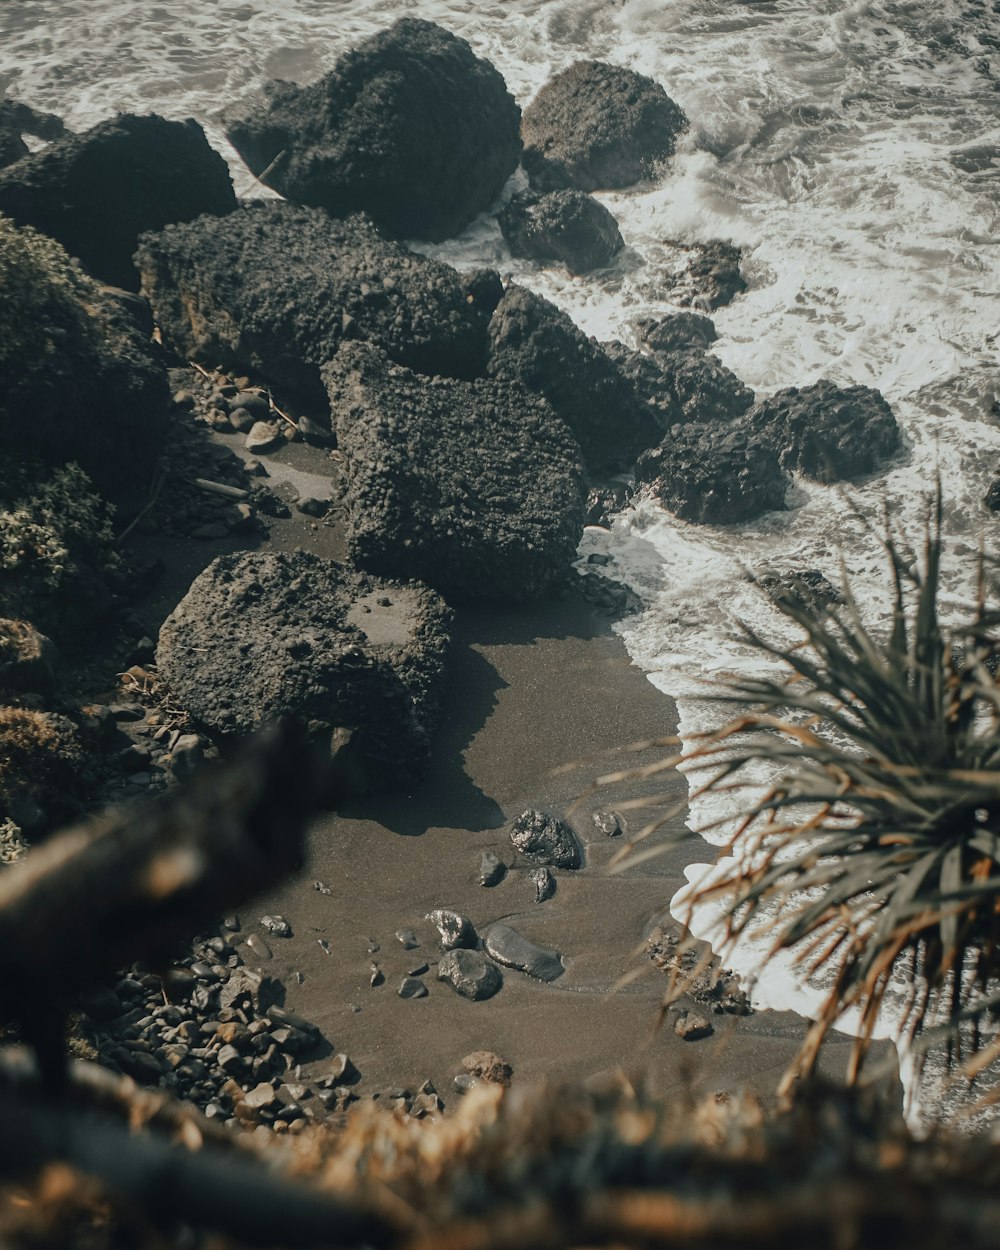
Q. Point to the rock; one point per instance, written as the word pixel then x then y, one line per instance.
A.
pixel 17 119
pixel 611 824
pixel 506 946
pixel 828 432
pixel 653 384
pixel 474 487
pixel 340 1071
pixel 96 192
pixel 259 947
pixel 714 273
pixel 470 974
pixel 693 1028
pixel 256 403
pixel 261 635
pixel 605 501
pixel 257 1099
pixel 704 389
pixel 534 343
pixel 313 507
pixel 455 929
pixel 186 755
pixel 407 939
pixel 410 127
pixel 545 884
pixel 43 773
pixel 567 226
pixel 376 976
pixel 543 839
pixel 677 333
pixel 492 869
pixel 264 436
pixel 282 1016
pixel 714 473
pixel 596 125
pixel 80 382
pixel 809 589
pixel 242 421
pixel 277 926
pixel 488 1067
pixel 276 288
pixel 410 987
pixel 28 660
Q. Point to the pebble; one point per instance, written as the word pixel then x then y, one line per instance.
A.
pixel 264 436
pixel 470 974
pixel 277 926
pixel 488 1066
pixel 464 1082
pixel 692 1027
pixel 322 888
pixel 509 948
pixel 253 403
pixel 259 947
pixel 262 1095
pixel 231 924
pixel 544 839
pixel 610 824
pixel 455 929
pixel 375 976
pixel 241 420
pixel 418 970
pixel 407 939
pixel 545 884
pixel 492 869
pixel 410 987
pixel 315 433
pixel 183 399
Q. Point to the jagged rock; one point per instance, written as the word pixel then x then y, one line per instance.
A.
pixel 677 333
pixel 653 385
pixel 828 432
pixel 714 273
pixel 567 226
pixel 714 473
pixel 266 634
pixel 80 382
pixel 455 929
pixel 470 974
pixel 506 946
pixel 534 343
pixel 705 390
pixel 474 487
pixel 276 288
pixel 96 192
pixel 28 660
pixel 596 125
pixel 605 501
pixel 17 119
pixel 410 127
pixel 543 839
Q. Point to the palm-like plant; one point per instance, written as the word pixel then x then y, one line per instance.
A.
pixel 876 852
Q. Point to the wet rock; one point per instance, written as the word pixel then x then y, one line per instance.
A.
pixel 611 824
pixel 536 344
pixel 261 635
pixel 596 125
pixel 693 1028
pixel 544 839
pixel 827 432
pixel 96 192
pixel 713 473
pixel 488 1067
pixel 545 884
pixel 470 974
pixel 17 119
pixel 28 660
pixel 455 929
pixel 567 226
pixel 475 488
pixel 679 332
pixel 714 274
pixel 410 127
pixel 507 947
pixel 605 501
pixel 492 869
pixel 277 288
pixel 277 926
pixel 808 589
pixel 410 987
pixel 704 389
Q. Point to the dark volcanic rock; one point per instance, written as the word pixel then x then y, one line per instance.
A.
pixel 596 125
pixel 263 635
pixel 651 383
pixel 544 839
pixel 809 589
pixel 470 974
pixel 533 342
pixel 507 947
pixel 704 388
pixel 714 473
pixel 677 332
pixel 714 272
pixel 474 487
pixel 568 226
pixel 17 119
pixel 81 381
pixel 410 127
pixel 276 288
pixel 828 432
pixel 97 192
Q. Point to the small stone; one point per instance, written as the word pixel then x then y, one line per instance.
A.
pixel 277 926
pixel 183 399
pixel 264 436
pixel 253 403
pixel 341 1072
pixel 544 839
pixel 211 530
pixel 254 468
pixel 231 924
pixel 410 987
pixel 611 824
pixel 185 755
pixel 259 947
pixel 693 1028
pixel 281 1015
pixel 375 976
pixel 492 869
pixel 545 884
pixel 463 1082
pixel 407 939
pixel 489 1067
pixel 241 420
pixel 315 433
pixel 455 929
pixel 261 1096
pixel 418 970
pixel 509 948
pixel 313 507
pixel 470 974
pixel 230 1060
pixel 322 888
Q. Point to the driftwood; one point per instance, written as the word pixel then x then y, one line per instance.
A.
pixel 131 884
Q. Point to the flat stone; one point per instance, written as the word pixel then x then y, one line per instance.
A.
pixel 410 987
pixel 508 947
pixel 544 839
pixel 470 974
pixel 456 930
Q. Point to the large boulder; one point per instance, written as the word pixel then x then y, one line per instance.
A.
pixel 474 487
pixel 81 382
pixel 276 288
pixel 714 473
pixel 705 389
pixel 567 226
pixel 534 343
pixel 262 635
pixel 649 381
pixel 828 432
pixel 17 119
pixel 410 127
pixel 596 125
pixel 96 192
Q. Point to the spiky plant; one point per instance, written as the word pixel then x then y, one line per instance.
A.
pixel 875 854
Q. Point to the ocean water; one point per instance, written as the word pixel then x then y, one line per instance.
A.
pixel 851 149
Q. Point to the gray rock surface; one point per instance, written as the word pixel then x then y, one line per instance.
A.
pixel 567 226
pixel 506 946
pixel 544 839
pixel 455 929
pixel 470 974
